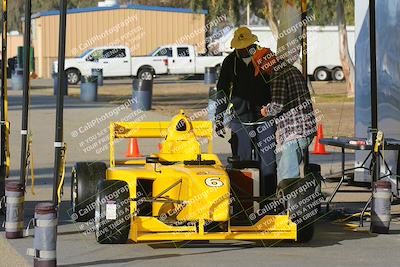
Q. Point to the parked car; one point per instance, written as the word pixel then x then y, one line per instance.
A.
pixel 116 61
pixel 184 59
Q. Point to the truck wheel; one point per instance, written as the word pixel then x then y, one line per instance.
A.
pixel 321 74
pixel 299 198
pixel 84 178
pixel 145 74
pixel 338 74
pixel 73 76
pixel 113 217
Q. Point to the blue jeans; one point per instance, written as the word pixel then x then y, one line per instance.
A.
pixel 290 156
pixel 256 142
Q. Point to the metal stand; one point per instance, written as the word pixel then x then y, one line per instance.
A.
pixel 364 210
pixel 362 166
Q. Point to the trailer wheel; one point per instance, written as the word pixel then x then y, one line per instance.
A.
pixel 73 76
pixel 112 218
pixel 299 198
pixel 146 74
pixel 84 178
pixel 338 74
pixel 321 74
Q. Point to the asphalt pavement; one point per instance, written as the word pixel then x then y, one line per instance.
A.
pixel 85 132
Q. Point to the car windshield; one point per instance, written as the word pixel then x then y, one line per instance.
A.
pixel 85 53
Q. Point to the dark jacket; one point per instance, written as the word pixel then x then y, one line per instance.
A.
pixel 249 93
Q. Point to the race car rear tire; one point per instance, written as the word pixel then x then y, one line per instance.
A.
pixel 84 179
pixel 112 216
pixel 298 203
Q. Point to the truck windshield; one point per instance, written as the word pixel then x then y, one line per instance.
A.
pixel 85 53
pixel 161 52
pixel 152 52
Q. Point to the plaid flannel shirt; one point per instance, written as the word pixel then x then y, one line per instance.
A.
pixel 291 105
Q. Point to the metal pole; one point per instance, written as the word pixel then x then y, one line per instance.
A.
pixel 4 105
pixel 248 14
pixel 304 8
pixel 26 88
pixel 374 88
pixel 58 143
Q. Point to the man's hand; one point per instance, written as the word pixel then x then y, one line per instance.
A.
pixel 220 128
pixel 264 111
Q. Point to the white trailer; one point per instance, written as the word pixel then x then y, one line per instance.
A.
pixel 323 48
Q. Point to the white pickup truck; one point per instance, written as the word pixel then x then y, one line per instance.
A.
pixel 183 59
pixel 116 61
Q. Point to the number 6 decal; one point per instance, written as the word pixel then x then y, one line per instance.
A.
pixel 214 182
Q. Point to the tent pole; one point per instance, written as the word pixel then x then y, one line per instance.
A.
pixel 374 88
pixel 4 156
pixel 304 8
pixel 58 143
pixel 26 88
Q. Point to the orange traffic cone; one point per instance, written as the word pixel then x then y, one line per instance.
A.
pixel 319 149
pixel 133 149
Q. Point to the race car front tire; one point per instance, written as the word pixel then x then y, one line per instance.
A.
pixel 112 215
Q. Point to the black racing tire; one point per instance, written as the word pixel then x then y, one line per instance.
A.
pixel 73 76
pixel 84 179
pixel 298 203
pixel 146 74
pixel 115 228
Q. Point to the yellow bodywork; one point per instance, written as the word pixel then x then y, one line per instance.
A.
pixel 186 197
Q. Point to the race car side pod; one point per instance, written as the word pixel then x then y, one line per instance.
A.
pixel 4 123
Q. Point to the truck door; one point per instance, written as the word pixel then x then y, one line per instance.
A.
pixel 93 62
pixel 182 61
pixel 115 62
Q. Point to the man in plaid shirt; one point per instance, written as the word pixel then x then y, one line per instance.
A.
pixel 292 109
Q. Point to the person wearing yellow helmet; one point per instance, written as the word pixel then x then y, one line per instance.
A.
pixel 246 93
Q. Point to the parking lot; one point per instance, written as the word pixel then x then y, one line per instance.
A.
pixel 334 242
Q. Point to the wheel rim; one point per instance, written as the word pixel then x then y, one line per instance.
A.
pixel 339 75
pixel 72 77
pixel 97 216
pixel 322 75
pixel 146 76
pixel 74 191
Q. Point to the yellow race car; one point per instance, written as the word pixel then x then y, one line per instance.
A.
pixel 182 193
